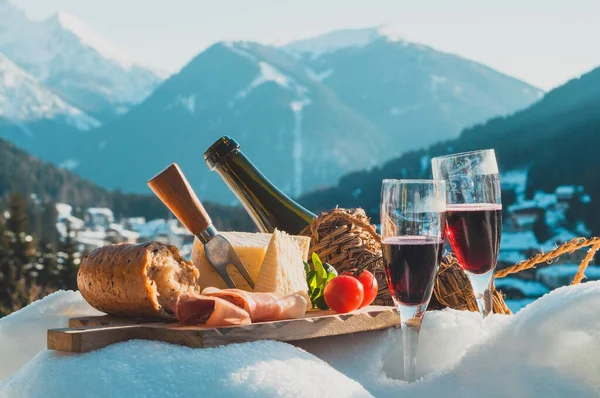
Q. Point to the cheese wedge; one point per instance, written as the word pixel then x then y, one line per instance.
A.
pixel 282 269
pixel 250 247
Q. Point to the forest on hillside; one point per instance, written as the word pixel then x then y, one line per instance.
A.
pixel 33 260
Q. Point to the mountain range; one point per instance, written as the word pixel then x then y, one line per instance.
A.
pixel 298 123
pixel 305 113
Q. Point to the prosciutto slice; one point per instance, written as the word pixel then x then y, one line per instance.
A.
pixel 198 309
pixel 262 306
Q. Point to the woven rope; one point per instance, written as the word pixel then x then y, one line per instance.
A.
pixel 346 239
pixel 568 247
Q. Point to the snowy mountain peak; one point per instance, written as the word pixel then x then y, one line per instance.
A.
pixel 336 40
pixel 74 62
pixel 24 99
pixel 65 21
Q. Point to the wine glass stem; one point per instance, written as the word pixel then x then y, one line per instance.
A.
pixel 410 339
pixel 411 318
pixel 483 294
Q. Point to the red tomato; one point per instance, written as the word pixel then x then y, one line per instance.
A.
pixel 369 283
pixel 343 294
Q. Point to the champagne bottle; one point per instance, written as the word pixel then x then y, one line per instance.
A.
pixel 268 207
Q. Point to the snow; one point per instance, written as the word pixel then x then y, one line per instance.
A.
pixel 188 102
pixel 319 77
pixel 239 48
pixel 268 73
pixel 436 81
pixel 561 235
pixel 24 99
pixel 586 199
pixel 557 275
pixel 545 200
pixel 527 287
pixel 516 305
pixel 565 190
pixel 397 111
pixel 518 241
pixel 131 236
pixel 100 211
pixel 23 333
pixel 61 51
pixel 63 210
pixel 89 38
pixel 510 256
pixel 550 348
pixel 69 164
pixel 516 179
pixel 169 231
pixel 341 39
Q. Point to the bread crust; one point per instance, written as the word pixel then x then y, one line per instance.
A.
pixel 114 279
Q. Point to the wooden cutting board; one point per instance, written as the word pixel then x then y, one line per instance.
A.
pixel 92 333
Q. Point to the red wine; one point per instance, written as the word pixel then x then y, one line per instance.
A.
pixel 411 264
pixel 474 234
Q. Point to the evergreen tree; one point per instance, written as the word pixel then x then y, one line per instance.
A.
pixel 19 240
pixel 35 219
pixel 69 259
pixel 49 234
pixel 540 228
pixel 5 274
pixel 47 265
pixel 15 292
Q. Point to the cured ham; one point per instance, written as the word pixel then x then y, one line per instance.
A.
pixel 198 309
pixel 232 307
pixel 263 306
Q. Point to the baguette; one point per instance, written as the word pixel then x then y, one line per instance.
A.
pixel 136 280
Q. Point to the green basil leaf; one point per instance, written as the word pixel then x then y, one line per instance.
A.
pixel 318 266
pixel 306 268
pixel 315 294
pixel 311 279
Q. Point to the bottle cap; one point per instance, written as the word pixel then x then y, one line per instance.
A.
pixel 221 149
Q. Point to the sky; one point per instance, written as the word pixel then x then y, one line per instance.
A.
pixel 544 42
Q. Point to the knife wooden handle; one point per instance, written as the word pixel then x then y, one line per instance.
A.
pixel 171 186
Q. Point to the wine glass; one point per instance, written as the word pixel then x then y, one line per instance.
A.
pixel 412 231
pixel 474 216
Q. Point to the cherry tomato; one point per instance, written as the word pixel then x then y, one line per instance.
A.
pixel 369 283
pixel 343 294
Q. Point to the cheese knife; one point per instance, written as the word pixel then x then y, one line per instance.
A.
pixel 173 189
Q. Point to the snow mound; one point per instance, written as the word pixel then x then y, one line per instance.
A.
pixel 143 368
pixel 23 333
pixel 551 348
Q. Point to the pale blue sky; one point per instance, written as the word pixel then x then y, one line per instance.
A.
pixel 543 42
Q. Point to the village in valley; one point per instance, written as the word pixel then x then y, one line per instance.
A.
pixel 98 228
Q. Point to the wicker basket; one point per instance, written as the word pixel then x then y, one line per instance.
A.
pixel 346 239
